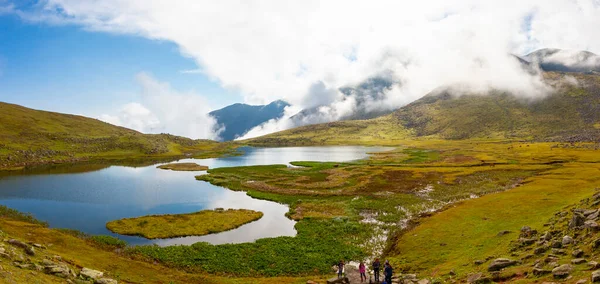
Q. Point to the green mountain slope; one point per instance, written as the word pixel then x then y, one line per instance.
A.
pixel 30 137
pixel 570 113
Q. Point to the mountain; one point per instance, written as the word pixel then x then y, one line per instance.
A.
pixel 570 113
pixel 29 137
pixel 551 59
pixel 238 119
pixel 368 99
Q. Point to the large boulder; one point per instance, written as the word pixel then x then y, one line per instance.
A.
pixel 562 271
pixel 87 273
pixel 500 263
pixel 577 221
pixel 596 276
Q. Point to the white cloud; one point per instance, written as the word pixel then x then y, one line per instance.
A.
pixel 282 49
pixel 164 110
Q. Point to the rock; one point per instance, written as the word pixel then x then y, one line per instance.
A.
pixel 596 243
pixel 559 251
pixel 502 233
pixel 582 281
pixel 452 273
pixel 113 281
pixel 566 240
pixel 593 216
pixel 526 242
pixel 60 270
pixel 593 265
pixel 596 276
pixel 578 261
pixel 540 250
pixel 556 244
pixel 30 251
pixel 87 273
pixel 500 263
pixel 591 225
pixel 577 221
pixel 526 257
pixel 409 277
pixel 473 278
pixel 423 281
pixel 38 246
pixel 17 243
pixel 540 272
pixel 562 271
pixel 577 253
pixel 336 280
pixel 311 282
pixel 478 262
pixel 550 259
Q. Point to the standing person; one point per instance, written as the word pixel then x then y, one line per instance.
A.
pixel 341 269
pixel 376 266
pixel 388 271
pixel 362 269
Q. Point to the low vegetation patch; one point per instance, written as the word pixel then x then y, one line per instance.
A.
pixel 183 167
pixel 180 225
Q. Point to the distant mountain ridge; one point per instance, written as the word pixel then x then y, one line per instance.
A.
pixel 238 119
pixel 570 114
pixel 552 59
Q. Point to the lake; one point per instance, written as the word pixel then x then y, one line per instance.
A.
pixel 86 197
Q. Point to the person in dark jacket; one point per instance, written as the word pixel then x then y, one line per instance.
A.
pixel 376 267
pixel 387 272
pixel 341 269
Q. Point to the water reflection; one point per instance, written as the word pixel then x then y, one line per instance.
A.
pixel 86 200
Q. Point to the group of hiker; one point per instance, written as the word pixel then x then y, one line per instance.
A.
pixel 376 266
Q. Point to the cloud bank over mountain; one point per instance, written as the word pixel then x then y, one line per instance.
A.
pixel 308 52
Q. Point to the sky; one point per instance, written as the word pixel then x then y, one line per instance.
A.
pixel 161 66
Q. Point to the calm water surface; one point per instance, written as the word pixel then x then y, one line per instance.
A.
pixel 87 201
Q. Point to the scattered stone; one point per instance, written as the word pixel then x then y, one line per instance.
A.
pixel 593 216
pixel 526 242
pixel 38 246
pixel 60 270
pixel 452 273
pixel 596 243
pixel 90 273
pixel 582 281
pixel 500 263
pixel 596 276
pixel 540 272
pixel 589 212
pixel 540 250
pixel 473 278
pixel 578 261
pixel 577 221
pixel 593 265
pixel 591 225
pixel 30 251
pixel 17 243
pixel 23 265
pixel 559 251
pixel 556 244
pixel 562 271
pixel 423 281
pixel 546 236
pixel 311 282
pixel 502 233
pixel 566 240
pixel 577 253
pixel 550 259
pixel 527 257
pixel 112 281
pixel 478 262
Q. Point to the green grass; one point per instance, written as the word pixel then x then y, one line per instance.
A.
pixel 180 225
pixel 13 214
pixel 319 245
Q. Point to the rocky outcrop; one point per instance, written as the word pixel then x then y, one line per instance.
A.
pixel 500 263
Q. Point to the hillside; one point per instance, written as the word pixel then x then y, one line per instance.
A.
pixel 238 119
pixel 29 137
pixel 570 113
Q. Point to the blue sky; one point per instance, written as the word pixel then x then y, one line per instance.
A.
pixel 65 68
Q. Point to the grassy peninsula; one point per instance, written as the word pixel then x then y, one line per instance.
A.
pixel 181 225
pixel 183 167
